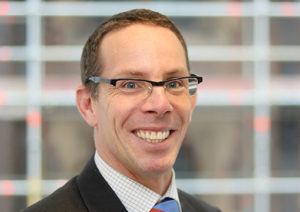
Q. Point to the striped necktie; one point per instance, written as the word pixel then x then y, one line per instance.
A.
pixel 167 205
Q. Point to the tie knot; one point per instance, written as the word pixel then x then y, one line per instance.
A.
pixel 167 205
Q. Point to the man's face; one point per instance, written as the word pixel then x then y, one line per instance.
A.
pixel 123 121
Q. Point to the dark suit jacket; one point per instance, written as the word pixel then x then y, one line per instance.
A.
pixel 90 192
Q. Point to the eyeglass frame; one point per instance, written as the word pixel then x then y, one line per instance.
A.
pixel 113 82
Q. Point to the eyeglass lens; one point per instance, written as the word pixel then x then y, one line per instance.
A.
pixel 174 87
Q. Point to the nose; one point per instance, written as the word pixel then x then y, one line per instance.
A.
pixel 157 102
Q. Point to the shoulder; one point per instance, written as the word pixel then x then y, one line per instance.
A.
pixel 190 203
pixel 66 198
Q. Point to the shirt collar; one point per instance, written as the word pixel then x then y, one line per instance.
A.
pixel 134 196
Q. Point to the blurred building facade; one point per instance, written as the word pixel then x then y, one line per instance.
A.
pixel 241 151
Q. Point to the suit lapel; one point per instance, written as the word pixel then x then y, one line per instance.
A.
pixel 186 205
pixel 95 191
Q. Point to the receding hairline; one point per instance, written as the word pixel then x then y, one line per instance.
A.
pixel 90 63
pixel 116 30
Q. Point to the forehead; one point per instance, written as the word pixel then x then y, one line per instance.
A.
pixel 140 47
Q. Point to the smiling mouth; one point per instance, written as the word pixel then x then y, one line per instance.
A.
pixel 153 137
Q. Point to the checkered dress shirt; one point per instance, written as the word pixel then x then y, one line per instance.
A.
pixel 134 196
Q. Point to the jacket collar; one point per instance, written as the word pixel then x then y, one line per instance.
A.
pixel 95 191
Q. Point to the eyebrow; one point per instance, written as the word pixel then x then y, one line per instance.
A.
pixel 139 74
pixel 177 73
pixel 130 73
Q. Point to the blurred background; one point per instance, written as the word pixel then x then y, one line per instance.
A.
pixel 241 152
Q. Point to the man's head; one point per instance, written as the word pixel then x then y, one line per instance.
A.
pixel 139 134
pixel 91 60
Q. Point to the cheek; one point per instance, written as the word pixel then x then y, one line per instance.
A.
pixel 184 110
pixel 121 110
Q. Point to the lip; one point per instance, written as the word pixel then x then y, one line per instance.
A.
pixel 154 129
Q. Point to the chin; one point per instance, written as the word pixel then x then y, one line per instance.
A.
pixel 159 167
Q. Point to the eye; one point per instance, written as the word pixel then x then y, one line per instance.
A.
pixel 129 84
pixel 174 84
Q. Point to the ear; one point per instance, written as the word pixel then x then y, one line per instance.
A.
pixel 194 101
pixel 85 106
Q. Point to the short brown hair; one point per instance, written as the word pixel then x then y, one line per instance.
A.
pixel 91 66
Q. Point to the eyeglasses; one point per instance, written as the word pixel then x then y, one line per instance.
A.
pixel 175 86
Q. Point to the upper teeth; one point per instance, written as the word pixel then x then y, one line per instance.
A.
pixel 153 137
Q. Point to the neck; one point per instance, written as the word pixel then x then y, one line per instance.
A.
pixel 157 182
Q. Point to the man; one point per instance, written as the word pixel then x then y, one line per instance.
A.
pixel 138 95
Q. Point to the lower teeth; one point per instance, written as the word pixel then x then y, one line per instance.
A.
pixel 154 141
